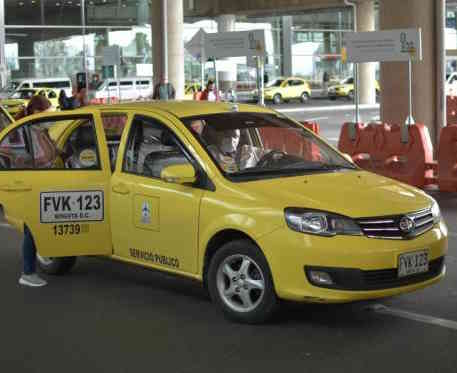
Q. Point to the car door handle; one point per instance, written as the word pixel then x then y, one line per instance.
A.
pixel 15 187
pixel 120 189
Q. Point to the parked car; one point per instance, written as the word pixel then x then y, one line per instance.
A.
pixel 345 89
pixel 285 89
pixel 50 83
pixel 282 216
pixel 131 88
pixel 190 89
pixel 21 98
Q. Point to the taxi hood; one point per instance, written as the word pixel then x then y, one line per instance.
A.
pixel 354 194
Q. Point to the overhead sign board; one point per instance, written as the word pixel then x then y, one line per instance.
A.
pixel 392 45
pixel 235 44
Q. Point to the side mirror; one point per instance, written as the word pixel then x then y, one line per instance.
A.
pixel 348 157
pixel 179 174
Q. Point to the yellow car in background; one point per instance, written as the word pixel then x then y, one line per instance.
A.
pixel 238 197
pixel 20 98
pixel 345 89
pixel 190 89
pixel 285 89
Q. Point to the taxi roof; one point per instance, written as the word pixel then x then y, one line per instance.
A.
pixel 182 109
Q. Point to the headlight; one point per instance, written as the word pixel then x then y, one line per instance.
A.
pixel 320 223
pixel 436 213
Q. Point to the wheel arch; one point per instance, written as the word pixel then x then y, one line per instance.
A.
pixel 217 241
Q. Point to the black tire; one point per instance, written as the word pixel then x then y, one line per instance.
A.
pixel 332 98
pixel 277 99
pixel 56 266
pixel 304 98
pixel 351 96
pixel 267 303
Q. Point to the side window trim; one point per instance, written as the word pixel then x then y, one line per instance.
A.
pixel 205 182
pixel 28 141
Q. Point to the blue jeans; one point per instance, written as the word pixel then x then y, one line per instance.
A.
pixel 29 252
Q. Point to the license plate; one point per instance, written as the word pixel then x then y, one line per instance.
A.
pixel 412 263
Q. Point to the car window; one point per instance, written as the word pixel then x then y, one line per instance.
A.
pixel 127 84
pixel 151 147
pixel 262 145
pixel 113 84
pixel 113 124
pixel 36 145
pixel 26 85
pixel 52 94
pixel 5 121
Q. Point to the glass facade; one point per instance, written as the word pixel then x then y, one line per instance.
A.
pixel 49 38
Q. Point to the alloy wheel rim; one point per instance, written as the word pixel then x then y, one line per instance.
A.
pixel 240 283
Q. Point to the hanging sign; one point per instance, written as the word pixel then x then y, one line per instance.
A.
pixel 383 46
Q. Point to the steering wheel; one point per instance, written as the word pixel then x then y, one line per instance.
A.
pixel 270 158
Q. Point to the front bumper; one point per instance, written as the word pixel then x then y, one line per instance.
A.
pixel 365 268
pixel 337 94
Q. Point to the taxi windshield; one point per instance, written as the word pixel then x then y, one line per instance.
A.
pixel 23 94
pixel 258 145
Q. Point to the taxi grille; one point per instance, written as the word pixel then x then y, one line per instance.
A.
pixel 389 227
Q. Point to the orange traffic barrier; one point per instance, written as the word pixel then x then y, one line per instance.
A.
pixel 290 142
pixel 379 148
pixel 313 126
pixel 447 159
pixel 451 110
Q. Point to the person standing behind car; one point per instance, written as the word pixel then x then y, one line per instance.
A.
pixel 29 277
pixel 210 93
pixel 164 90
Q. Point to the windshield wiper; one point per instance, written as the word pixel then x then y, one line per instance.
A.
pixel 337 167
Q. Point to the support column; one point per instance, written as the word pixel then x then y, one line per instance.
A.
pixel 227 79
pixel 286 48
pixel 175 25
pixel 367 73
pixel 396 14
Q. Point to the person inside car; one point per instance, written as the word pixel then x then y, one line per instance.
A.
pixel 232 157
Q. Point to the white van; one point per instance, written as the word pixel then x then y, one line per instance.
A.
pixel 54 83
pixel 131 88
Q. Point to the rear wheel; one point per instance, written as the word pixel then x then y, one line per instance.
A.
pixel 277 99
pixel 240 283
pixel 56 266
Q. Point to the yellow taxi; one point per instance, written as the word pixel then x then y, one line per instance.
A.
pixel 346 89
pixel 20 98
pixel 190 89
pixel 239 197
pixel 285 89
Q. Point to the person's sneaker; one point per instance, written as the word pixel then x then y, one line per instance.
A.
pixel 32 280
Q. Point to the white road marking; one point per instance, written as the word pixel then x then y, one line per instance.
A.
pixel 381 309
pixel 328 108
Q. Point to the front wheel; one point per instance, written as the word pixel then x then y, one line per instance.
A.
pixel 239 281
pixel 56 266
pixel 351 96
pixel 304 97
